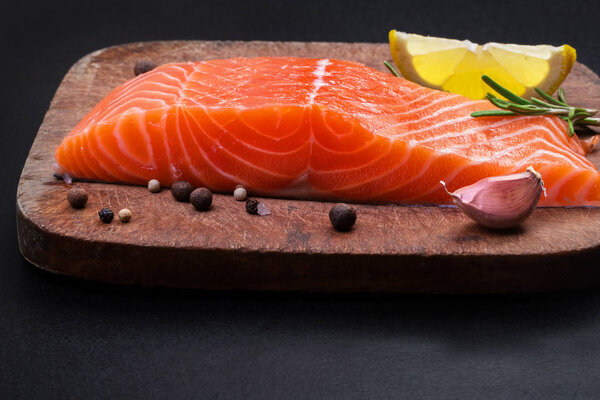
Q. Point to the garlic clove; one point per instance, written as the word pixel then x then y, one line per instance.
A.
pixel 500 201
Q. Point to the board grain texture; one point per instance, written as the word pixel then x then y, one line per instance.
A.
pixel 391 248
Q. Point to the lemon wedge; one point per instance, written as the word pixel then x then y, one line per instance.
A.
pixel 457 66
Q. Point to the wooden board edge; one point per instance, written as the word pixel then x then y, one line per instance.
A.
pixel 123 264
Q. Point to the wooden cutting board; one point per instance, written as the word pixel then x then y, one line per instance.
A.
pixel 392 248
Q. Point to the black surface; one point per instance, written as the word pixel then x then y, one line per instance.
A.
pixel 63 338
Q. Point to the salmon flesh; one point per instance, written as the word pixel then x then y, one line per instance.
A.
pixel 321 129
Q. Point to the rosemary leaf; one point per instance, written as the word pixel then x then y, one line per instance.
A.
pixel 492 113
pixel 497 101
pixel 561 96
pixel 392 69
pixel 504 92
pixel 544 104
pixel 590 121
pixel 525 109
pixel 549 98
pixel 571 128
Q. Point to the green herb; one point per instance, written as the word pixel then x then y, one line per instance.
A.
pixel 516 105
pixel 392 69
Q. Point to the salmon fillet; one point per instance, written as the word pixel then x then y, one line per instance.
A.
pixel 315 128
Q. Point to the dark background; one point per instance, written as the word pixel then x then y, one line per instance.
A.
pixel 64 338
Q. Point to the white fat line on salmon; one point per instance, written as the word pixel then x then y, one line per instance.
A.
pixel 585 189
pixel 142 119
pixel 438 112
pixel 570 141
pixel 110 157
pixel 545 161
pixel 560 149
pixel 550 140
pixel 384 175
pixel 126 91
pixel 182 115
pixel 553 135
pixel 319 72
pixel 554 188
pixel 94 156
pixel 118 135
pixel 227 151
pixel 360 102
pixel 400 134
pixel 134 103
pixel 182 70
pixel 189 118
pixel 448 179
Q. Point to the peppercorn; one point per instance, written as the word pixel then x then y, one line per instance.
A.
pixel 342 217
pixel 124 215
pixel 252 206
pixel 154 186
pixel 181 191
pixel 106 215
pixel 77 197
pixel 240 193
pixel 201 199
pixel 143 66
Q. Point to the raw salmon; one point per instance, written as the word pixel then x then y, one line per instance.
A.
pixel 315 128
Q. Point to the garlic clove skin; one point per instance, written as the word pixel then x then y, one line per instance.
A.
pixel 500 202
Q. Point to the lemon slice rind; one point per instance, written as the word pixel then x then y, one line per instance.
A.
pixel 457 65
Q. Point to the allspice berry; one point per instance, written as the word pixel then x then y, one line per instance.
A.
pixel 124 215
pixel 181 191
pixel 143 66
pixel 342 217
pixel 201 199
pixel 77 197
pixel 106 215
pixel 252 206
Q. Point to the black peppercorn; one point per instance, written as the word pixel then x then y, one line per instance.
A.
pixel 201 198
pixel 252 206
pixel 342 217
pixel 106 215
pixel 142 66
pixel 181 191
pixel 77 197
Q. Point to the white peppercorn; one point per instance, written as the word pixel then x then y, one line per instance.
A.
pixel 124 215
pixel 154 186
pixel 240 194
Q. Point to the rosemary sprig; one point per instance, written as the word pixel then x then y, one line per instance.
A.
pixel 548 105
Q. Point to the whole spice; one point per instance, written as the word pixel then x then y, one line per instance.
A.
pixel 500 201
pixel 143 66
pixel 201 199
pixel 181 191
pixel 106 215
pixel 240 193
pixel 77 197
pixel 342 217
pixel 124 215
pixel 252 206
pixel 154 186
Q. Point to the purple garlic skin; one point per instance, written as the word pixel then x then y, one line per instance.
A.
pixel 500 202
